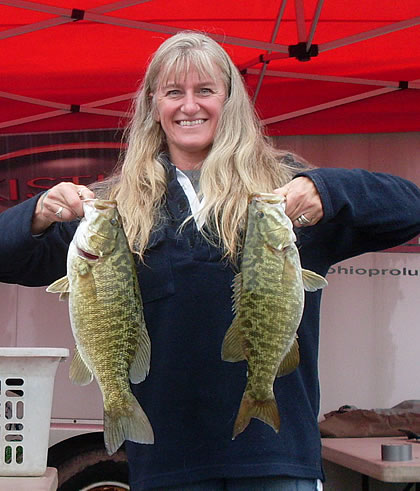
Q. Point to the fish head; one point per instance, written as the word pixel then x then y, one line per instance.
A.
pixel 267 216
pixel 98 230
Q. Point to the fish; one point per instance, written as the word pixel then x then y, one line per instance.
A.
pixel 106 316
pixel 268 302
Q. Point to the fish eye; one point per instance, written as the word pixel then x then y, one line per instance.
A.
pixel 113 222
pixel 260 214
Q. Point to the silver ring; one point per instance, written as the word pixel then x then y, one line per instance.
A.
pixel 59 212
pixel 302 220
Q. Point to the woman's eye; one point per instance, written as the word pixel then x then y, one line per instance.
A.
pixel 206 91
pixel 173 93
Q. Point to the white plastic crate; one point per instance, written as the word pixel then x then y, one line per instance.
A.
pixel 26 390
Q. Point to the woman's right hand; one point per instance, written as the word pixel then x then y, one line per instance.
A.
pixel 61 203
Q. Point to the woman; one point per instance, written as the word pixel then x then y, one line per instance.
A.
pixel 193 122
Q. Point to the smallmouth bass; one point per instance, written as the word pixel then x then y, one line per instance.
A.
pixel 106 314
pixel 268 305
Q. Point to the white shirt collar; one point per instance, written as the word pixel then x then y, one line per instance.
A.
pixel 195 204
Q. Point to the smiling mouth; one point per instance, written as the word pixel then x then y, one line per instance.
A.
pixel 196 122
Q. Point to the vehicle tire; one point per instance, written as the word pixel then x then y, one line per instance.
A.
pixel 92 469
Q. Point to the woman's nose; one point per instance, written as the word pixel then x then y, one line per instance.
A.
pixel 189 104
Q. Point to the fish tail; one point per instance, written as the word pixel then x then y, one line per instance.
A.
pixel 266 411
pixel 131 425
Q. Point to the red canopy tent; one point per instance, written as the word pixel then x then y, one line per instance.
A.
pixel 312 66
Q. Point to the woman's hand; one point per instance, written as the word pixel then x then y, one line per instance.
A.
pixel 61 203
pixel 303 203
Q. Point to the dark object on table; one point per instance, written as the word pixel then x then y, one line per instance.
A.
pixel 411 435
pixel 349 421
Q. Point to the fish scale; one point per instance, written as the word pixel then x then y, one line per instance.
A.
pixel 268 305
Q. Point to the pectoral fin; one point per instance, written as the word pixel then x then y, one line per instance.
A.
pixel 313 281
pixel 80 373
pixel 61 286
pixel 291 361
pixel 232 348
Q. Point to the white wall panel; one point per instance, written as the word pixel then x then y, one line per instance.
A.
pixel 396 153
pixel 370 332
pixel 8 314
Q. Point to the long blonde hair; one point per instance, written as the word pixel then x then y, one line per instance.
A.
pixel 241 160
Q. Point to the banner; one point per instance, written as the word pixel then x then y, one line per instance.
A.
pixel 32 163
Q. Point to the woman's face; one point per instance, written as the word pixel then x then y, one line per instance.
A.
pixel 189 111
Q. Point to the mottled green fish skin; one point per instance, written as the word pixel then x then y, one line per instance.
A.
pixel 268 305
pixel 106 314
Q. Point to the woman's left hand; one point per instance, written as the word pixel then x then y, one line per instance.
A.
pixel 303 202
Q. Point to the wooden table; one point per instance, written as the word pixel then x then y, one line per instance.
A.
pixel 363 455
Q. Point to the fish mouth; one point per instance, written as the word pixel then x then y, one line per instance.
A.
pixel 271 198
pixel 101 204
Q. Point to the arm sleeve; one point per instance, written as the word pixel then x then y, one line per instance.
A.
pixel 29 260
pixel 365 211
